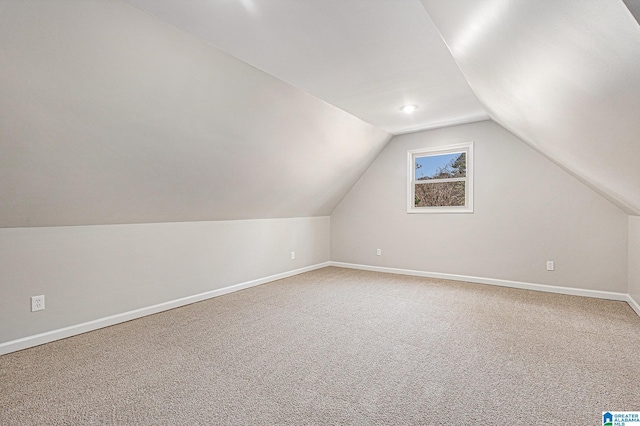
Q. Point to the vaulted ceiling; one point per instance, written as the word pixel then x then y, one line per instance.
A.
pixel 562 75
pixel 108 115
pixel 366 57
pixel 164 110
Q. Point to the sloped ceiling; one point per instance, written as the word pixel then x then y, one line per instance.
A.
pixel 155 111
pixel 367 57
pixel 562 75
pixel 108 115
pixel 634 8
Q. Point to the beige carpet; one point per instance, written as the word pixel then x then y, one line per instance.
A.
pixel 338 346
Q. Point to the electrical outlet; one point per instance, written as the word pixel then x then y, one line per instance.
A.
pixel 293 255
pixel 378 252
pixel 551 266
pixel 37 303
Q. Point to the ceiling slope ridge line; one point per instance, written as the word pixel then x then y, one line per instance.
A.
pixel 205 42
pixel 634 9
pixel 455 61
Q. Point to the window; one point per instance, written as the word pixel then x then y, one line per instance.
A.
pixel 441 180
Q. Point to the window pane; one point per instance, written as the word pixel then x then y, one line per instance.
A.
pixel 440 194
pixel 443 166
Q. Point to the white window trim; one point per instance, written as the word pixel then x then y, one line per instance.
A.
pixel 449 149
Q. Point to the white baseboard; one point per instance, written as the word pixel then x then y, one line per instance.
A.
pixel 62 333
pixel 504 283
pixel 634 304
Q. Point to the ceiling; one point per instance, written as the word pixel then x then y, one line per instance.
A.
pixel 366 57
pixel 132 111
pixel 108 115
pixel 634 8
pixel 562 75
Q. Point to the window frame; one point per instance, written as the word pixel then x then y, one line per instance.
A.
pixel 467 148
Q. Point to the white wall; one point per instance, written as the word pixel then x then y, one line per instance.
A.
pixel 527 211
pixel 91 272
pixel 634 258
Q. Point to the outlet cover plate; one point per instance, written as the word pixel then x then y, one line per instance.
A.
pixel 37 303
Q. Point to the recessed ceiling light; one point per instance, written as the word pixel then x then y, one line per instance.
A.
pixel 408 109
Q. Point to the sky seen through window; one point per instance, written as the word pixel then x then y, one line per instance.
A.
pixel 432 163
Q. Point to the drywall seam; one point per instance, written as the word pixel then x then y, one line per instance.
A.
pixel 62 333
pixel 609 295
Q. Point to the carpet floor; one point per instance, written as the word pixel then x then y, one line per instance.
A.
pixel 338 346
